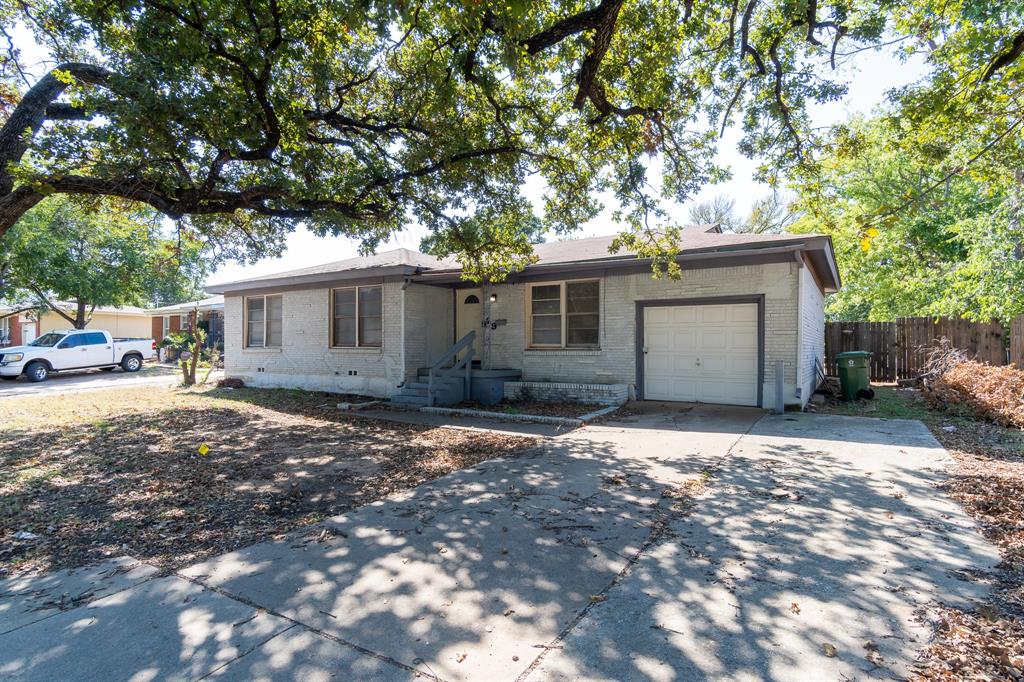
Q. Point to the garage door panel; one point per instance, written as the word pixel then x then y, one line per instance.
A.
pixel 743 340
pixel 679 314
pixel 743 313
pixel 706 353
pixel 712 314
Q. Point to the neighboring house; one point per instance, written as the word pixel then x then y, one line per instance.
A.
pixel 580 322
pixel 16 330
pixel 207 313
pixel 124 322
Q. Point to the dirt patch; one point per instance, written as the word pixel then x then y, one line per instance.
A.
pixel 206 473
pixel 540 408
pixel 987 479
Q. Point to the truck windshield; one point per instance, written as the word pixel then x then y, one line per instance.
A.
pixel 48 340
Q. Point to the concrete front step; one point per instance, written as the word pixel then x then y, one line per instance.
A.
pixel 403 399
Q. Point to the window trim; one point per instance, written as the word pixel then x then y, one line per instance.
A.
pixel 330 318
pixel 5 329
pixel 266 320
pixel 165 326
pixel 563 314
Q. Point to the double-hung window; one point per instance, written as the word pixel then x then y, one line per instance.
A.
pixel 565 314
pixel 166 327
pixel 357 317
pixel 5 331
pixel 263 325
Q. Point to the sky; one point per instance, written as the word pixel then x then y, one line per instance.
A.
pixel 869 75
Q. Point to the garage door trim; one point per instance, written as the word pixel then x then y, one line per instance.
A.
pixel 712 300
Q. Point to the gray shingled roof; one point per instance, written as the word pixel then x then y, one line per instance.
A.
pixel 384 259
pixel 694 239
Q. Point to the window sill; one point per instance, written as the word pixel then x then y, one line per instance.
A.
pixel 362 350
pixel 565 351
pixel 260 349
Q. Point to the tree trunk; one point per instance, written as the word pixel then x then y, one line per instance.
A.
pixel 80 319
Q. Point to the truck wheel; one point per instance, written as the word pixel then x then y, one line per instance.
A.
pixel 37 371
pixel 131 363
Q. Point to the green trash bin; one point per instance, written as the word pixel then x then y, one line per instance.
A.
pixel 855 374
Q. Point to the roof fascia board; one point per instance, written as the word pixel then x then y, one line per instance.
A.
pixel 320 279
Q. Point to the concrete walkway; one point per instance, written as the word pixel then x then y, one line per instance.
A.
pixel 811 556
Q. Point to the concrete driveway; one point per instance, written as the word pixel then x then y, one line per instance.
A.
pixel 812 555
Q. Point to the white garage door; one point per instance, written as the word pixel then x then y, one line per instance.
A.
pixel 701 353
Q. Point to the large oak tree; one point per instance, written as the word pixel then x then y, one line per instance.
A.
pixel 241 118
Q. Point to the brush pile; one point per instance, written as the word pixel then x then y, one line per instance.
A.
pixel 956 382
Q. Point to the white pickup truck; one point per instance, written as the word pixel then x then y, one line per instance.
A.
pixel 76 349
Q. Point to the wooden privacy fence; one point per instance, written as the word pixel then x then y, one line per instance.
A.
pixel 899 348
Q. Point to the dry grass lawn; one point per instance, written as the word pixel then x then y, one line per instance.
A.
pixel 120 472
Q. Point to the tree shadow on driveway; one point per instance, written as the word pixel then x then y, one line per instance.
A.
pixel 571 562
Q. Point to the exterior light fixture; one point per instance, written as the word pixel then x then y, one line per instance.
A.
pixel 494 297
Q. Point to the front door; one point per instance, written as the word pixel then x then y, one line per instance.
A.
pixel 468 310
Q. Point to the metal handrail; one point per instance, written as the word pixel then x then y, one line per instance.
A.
pixel 466 364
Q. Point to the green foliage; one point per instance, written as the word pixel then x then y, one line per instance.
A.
pixel 98 255
pixel 905 249
pixel 242 119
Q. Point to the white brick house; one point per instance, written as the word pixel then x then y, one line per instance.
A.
pixel 579 316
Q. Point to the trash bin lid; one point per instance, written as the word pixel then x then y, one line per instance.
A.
pixel 853 354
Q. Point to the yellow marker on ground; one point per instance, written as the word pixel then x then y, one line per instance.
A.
pixel 203 449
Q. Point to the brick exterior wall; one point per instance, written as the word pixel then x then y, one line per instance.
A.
pixel 306 361
pixel 615 362
pixel 604 394
pixel 812 333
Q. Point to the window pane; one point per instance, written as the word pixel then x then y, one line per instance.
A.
pixel 274 321
pixel 370 323
pixel 344 317
pixel 548 291
pixel 547 337
pixel 546 307
pixel 255 309
pixel 255 317
pixel 95 339
pixel 370 331
pixel 255 337
pixel 581 330
pixel 345 331
pixel 582 297
pixel 344 302
pixel 369 301
pixel 547 322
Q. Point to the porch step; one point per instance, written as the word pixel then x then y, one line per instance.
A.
pixel 411 400
pixel 448 391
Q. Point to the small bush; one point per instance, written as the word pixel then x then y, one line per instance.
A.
pixel 230 383
pixel 995 394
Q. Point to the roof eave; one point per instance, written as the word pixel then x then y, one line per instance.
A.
pixel 317 278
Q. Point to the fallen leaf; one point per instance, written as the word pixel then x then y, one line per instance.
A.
pixel 460 658
pixel 830 650
pixel 795 608
pixel 594 598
